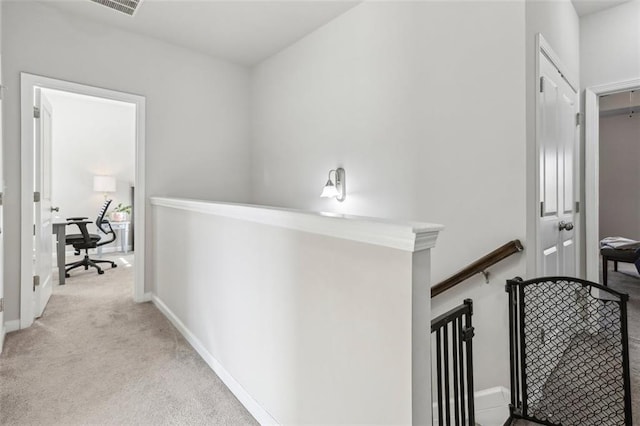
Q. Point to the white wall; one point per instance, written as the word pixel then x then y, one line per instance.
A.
pixel 619 176
pixel 197 112
pixel 91 136
pixel 610 45
pixel 423 104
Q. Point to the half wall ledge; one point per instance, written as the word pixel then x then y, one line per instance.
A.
pixel 407 236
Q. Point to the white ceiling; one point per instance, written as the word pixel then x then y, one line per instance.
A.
pixel 585 7
pixel 241 31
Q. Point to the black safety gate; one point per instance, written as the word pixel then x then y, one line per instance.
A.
pixel 569 353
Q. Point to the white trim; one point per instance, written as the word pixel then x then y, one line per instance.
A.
pixel 147 297
pixel 543 46
pixel 255 409
pixel 407 236
pixel 94 252
pixel 3 332
pixel 27 84
pixel 592 169
pixel 11 326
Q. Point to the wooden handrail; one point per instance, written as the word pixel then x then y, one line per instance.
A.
pixel 478 266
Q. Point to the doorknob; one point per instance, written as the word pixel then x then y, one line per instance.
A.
pixel 565 226
pixel 55 209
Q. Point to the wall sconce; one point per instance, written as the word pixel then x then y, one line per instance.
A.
pixel 339 190
pixel 104 184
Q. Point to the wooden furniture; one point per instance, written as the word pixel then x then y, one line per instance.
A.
pixel 616 255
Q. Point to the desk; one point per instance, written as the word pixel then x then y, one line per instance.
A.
pixel 59 230
pixel 122 228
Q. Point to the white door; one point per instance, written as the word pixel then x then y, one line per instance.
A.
pixel 43 236
pixel 558 138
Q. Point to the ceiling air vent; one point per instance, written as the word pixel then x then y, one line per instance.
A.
pixel 128 7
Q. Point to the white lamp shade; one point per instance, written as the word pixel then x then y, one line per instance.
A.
pixel 329 190
pixel 104 184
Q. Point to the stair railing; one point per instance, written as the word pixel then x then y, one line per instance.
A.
pixel 454 366
pixel 479 266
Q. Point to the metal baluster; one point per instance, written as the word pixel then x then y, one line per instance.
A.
pixel 455 337
pixel 446 374
pixel 461 366
pixel 469 352
pixel 439 375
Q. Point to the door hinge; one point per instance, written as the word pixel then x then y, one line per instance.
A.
pixel 2 304
pixel 541 208
pixel 577 118
pixel 36 281
pixel 36 197
pixel 1 200
pixel 577 206
pixel 541 84
pixel 36 112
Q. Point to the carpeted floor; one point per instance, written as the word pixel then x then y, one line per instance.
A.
pixel 96 357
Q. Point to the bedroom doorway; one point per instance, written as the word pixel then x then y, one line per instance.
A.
pixel 92 129
pixel 605 107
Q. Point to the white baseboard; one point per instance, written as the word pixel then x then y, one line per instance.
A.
pixel 94 252
pixel 491 407
pixel 147 297
pixel 8 327
pixel 257 411
pixel 12 326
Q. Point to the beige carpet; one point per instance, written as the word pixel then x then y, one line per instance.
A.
pixel 96 357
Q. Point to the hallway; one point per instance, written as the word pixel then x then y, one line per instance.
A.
pixel 96 357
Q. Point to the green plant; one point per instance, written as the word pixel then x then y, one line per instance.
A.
pixel 122 208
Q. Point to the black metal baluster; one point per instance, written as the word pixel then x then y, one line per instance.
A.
pixel 455 337
pixel 460 343
pixel 468 336
pixel 439 375
pixel 445 345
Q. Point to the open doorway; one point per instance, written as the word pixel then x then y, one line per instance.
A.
pixel 606 106
pixel 92 165
pixel 81 146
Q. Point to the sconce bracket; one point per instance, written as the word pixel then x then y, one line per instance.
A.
pixel 341 184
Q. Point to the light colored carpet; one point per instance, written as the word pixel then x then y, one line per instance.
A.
pixel 96 357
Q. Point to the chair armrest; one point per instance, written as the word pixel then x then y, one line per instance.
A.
pixel 82 225
pixel 77 218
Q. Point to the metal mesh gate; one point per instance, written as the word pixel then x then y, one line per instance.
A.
pixel 569 352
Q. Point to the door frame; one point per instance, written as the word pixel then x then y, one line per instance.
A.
pixel 534 260
pixel 28 82
pixel 592 169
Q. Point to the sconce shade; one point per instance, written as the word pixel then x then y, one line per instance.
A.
pixel 337 190
pixel 104 184
pixel 329 190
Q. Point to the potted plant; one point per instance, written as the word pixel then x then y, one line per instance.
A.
pixel 120 213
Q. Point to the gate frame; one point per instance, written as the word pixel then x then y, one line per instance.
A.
pixel 518 407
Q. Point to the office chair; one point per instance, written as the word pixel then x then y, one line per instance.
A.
pixel 85 240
